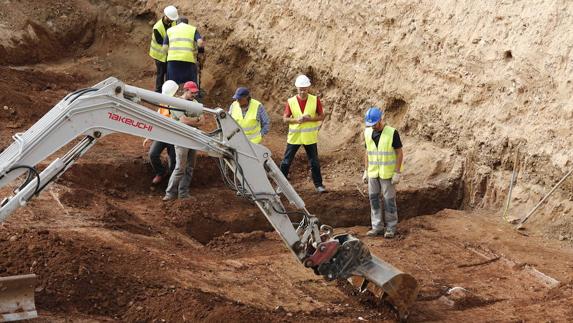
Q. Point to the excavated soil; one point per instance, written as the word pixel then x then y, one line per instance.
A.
pixel 107 249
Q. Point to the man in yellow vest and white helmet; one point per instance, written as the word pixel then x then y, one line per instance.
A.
pixel 156 48
pixel 250 114
pixel 183 44
pixel 383 164
pixel 303 113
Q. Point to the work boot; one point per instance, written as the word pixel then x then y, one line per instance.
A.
pixel 321 189
pixel 389 234
pixel 375 232
pixel 157 179
pixel 168 197
pixel 185 197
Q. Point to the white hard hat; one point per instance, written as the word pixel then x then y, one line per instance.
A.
pixel 171 13
pixel 169 88
pixel 302 81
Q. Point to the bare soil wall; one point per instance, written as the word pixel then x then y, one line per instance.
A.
pixel 480 79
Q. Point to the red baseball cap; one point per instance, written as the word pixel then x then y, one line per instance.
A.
pixel 191 86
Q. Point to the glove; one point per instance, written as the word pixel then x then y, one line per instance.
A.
pixel 396 178
pixel 365 177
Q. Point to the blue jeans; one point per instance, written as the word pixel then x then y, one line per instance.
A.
pixel 155 151
pixel 181 177
pixel 311 153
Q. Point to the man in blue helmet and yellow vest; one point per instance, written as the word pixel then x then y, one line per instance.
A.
pixel 303 113
pixel 183 44
pixel 156 48
pixel 250 114
pixel 383 164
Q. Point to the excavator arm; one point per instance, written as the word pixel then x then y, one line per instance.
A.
pixel 114 107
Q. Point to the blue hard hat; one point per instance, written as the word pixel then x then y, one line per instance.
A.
pixel 373 115
pixel 241 93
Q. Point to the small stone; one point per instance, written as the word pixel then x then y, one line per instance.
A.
pixel 562 237
pixel 448 302
pixel 13 238
pixel 289 314
pixel 6 107
pixel 139 308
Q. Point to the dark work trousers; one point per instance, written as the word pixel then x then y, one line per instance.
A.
pixel 311 153
pixel 181 72
pixel 161 75
pixel 155 157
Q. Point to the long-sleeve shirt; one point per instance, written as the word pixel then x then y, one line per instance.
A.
pixel 262 118
pixel 158 36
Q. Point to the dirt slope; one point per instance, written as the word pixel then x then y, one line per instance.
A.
pixel 482 80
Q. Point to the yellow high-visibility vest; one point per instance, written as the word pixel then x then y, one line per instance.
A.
pixel 156 49
pixel 251 126
pixel 181 43
pixel 381 158
pixel 304 133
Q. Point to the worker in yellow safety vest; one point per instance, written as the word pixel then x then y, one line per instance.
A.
pixel 250 114
pixel 383 165
pixel 304 114
pixel 156 48
pixel 183 45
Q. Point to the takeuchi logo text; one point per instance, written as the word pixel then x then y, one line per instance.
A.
pixel 129 121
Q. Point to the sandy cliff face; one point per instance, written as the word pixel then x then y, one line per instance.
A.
pixel 481 79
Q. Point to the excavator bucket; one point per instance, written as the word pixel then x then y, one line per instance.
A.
pixel 388 283
pixel 354 262
pixel 17 298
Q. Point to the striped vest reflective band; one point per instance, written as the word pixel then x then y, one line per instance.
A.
pixel 381 159
pixel 249 123
pixel 181 43
pixel 156 49
pixel 304 133
pixel 164 111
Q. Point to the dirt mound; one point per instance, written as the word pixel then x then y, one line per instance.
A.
pixel 45 31
pixel 216 212
pixel 235 244
pixel 38 32
pixel 27 94
pixel 78 198
pixel 117 218
pixel 76 272
pixel 119 180
pixel 191 305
